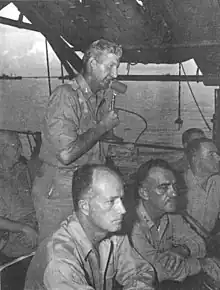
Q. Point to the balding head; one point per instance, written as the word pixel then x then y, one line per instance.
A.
pixel 97 196
pixel 87 177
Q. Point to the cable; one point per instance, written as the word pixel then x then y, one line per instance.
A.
pixel 134 113
pixel 130 112
pixel 190 88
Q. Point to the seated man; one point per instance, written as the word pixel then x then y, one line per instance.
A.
pixel 162 238
pixel 203 182
pixel 17 216
pixel 84 253
pixel 181 165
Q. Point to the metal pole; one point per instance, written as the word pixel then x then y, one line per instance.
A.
pixel 62 75
pixel 48 67
pixel 216 120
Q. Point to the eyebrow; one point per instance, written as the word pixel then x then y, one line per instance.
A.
pixel 167 183
pixel 114 197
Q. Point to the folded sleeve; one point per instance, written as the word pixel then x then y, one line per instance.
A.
pixel 133 272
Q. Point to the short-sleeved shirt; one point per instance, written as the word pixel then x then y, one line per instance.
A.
pixel 151 241
pixel 71 111
pixel 16 204
pixel 67 260
pixel 203 198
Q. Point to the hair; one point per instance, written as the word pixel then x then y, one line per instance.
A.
pixel 188 133
pixel 144 170
pixel 194 146
pixel 82 181
pixel 98 47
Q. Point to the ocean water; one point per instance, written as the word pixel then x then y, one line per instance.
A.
pixel 23 102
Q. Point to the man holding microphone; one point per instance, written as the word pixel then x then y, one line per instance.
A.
pixel 71 133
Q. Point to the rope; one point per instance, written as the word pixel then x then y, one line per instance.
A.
pixel 48 67
pixel 179 121
pixel 194 98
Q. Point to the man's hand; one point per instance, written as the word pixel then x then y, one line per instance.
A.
pixel 171 262
pixel 110 120
pixel 31 234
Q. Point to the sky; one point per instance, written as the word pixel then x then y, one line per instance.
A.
pixel 22 53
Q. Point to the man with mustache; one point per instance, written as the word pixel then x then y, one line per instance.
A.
pixel 86 252
pixel 71 133
pixel 164 239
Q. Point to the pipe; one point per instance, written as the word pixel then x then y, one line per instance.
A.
pixel 147 145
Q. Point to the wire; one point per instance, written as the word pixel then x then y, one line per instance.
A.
pixel 194 98
pixel 134 113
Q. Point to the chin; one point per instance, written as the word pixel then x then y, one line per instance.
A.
pixel 114 228
pixel 170 208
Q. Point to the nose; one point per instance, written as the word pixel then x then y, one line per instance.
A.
pixel 120 207
pixel 172 191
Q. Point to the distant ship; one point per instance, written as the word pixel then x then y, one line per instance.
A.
pixel 11 77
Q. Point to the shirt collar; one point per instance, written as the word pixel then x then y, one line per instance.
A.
pixel 201 181
pixel 87 92
pixel 75 229
pixel 144 216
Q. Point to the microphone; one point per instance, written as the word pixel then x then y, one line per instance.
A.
pixel 119 87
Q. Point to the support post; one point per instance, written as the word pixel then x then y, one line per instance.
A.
pixel 216 120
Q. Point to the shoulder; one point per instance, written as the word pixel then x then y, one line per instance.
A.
pixel 175 218
pixel 65 88
pixel 213 181
pixel 119 241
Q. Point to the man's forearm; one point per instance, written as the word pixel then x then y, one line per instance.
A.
pixel 83 144
pixel 12 226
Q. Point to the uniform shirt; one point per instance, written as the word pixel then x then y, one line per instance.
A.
pixel 203 198
pixel 67 261
pixel 151 241
pixel 71 111
pixel 16 204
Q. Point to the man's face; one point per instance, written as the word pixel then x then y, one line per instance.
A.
pixel 105 70
pixel 106 209
pixel 193 136
pixel 208 158
pixel 161 189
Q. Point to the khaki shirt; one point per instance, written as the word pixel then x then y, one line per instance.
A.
pixel 71 111
pixel 68 261
pixel 203 199
pixel 151 241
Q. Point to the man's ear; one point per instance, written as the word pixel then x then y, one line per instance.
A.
pixel 143 193
pixel 92 64
pixel 83 205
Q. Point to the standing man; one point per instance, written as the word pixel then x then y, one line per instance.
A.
pixel 71 133
pixel 86 252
